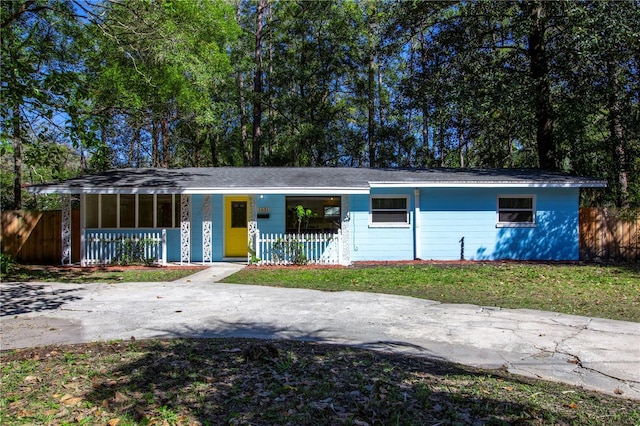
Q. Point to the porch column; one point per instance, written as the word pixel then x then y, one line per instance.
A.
pixel 416 225
pixel 83 225
pixel 207 249
pixel 345 227
pixel 66 229
pixel 185 228
pixel 252 227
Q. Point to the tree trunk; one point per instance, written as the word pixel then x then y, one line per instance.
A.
pixel 425 111
pixel 272 127
pixel 257 88
pixel 371 93
pixel 382 119
pixel 539 68
pixel 164 130
pixel 442 145
pixel 17 158
pixel 214 141
pixel 616 135
pixel 242 106
pixel 463 147
pixel 155 142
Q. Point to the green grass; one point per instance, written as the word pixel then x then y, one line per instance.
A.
pixel 606 291
pixel 218 381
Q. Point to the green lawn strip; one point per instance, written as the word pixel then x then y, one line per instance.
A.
pixel 240 381
pixel 91 275
pixel 591 290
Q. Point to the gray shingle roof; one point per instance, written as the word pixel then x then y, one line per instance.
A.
pixel 302 180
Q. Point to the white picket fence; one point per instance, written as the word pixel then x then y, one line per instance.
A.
pixel 287 249
pixel 103 248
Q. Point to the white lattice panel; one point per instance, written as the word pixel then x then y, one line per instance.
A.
pixel 345 227
pixel 185 228
pixel 66 229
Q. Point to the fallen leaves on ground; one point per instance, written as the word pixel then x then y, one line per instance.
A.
pixel 241 381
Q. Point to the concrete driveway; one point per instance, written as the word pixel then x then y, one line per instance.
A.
pixel 595 353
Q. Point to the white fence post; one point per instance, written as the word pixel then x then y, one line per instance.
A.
pixel 339 236
pixel 164 247
pixel 257 245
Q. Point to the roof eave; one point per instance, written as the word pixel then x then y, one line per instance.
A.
pixel 489 184
pixel 61 189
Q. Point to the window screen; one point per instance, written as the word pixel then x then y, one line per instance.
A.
pixel 517 210
pixel 389 210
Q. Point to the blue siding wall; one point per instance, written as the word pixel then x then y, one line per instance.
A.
pixel 173 245
pixel 379 243
pixel 449 214
pixel 217 227
pixel 276 205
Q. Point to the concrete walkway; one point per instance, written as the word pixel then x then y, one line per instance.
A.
pixel 597 354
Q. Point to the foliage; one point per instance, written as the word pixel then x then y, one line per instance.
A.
pixel 376 83
pixel 289 250
pixel 303 216
pixel 7 263
pixel 215 381
pixel 39 82
pixel 132 251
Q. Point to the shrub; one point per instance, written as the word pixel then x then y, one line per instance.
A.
pixel 7 263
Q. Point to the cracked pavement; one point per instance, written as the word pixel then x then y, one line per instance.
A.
pixel 594 353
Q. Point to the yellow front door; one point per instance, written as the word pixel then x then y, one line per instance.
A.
pixel 236 235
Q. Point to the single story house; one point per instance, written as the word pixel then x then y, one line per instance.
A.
pixel 346 214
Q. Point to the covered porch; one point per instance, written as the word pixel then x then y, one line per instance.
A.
pixel 205 228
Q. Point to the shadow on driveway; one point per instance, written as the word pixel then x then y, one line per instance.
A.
pixel 21 298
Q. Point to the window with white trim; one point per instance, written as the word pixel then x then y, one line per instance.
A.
pixel 389 210
pixel 516 210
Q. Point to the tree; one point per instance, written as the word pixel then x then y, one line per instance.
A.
pixel 159 68
pixel 39 80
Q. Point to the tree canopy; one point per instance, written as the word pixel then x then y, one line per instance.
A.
pixel 97 84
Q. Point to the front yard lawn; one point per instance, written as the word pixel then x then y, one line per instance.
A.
pixel 605 291
pixel 245 382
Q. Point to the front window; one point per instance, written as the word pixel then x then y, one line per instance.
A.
pixel 389 210
pixel 516 210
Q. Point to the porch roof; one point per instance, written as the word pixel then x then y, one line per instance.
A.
pixel 302 180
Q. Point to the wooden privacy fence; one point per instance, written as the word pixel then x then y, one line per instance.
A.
pixel 609 234
pixel 35 237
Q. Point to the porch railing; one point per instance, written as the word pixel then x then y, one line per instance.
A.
pixel 288 249
pixel 104 247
